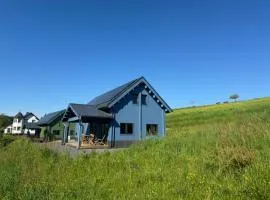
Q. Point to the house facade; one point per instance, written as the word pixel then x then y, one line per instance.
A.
pixel 122 116
pixel 52 127
pixel 23 124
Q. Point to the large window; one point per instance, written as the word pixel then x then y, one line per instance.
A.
pixel 135 98
pixel 152 129
pixel 126 128
pixel 144 99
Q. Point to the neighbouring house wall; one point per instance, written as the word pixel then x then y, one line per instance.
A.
pixel 137 114
pixel 31 132
pixel 15 126
pixel 8 129
pixel 32 119
pixel 58 125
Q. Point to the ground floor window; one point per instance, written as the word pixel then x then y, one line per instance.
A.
pixel 152 129
pixel 126 128
pixel 18 128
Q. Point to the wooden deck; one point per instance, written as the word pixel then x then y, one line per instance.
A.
pixel 87 145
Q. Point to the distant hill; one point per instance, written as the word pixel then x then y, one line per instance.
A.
pixel 212 114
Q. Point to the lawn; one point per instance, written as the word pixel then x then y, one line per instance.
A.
pixel 211 152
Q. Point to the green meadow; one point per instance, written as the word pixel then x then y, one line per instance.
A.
pixel 210 152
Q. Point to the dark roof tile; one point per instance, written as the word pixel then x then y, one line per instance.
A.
pixel 85 110
pixel 49 118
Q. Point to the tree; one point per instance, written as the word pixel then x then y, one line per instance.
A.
pixel 234 97
pixel 5 121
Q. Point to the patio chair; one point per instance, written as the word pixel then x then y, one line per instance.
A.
pixel 100 141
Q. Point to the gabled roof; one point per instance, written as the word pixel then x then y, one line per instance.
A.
pixel 19 115
pixel 108 99
pixel 49 118
pixel 85 111
pixel 28 115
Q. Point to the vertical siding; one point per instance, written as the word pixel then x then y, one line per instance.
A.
pixel 152 113
pixel 140 115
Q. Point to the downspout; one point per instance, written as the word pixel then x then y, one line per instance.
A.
pixel 140 115
pixel 114 130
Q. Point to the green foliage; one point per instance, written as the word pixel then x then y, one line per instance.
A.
pixel 214 152
pixel 234 96
pixel 6 140
pixel 4 122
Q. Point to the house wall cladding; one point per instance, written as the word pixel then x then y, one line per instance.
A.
pixel 137 114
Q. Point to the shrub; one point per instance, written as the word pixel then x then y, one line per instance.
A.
pixel 6 140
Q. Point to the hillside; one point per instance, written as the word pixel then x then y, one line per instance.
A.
pixel 212 152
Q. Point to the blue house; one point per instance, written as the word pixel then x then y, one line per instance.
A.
pixel 129 113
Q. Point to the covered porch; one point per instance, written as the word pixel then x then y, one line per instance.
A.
pixel 91 127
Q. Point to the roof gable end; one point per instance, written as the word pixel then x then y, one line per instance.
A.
pixel 150 90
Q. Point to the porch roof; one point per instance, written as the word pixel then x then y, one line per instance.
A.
pixel 80 111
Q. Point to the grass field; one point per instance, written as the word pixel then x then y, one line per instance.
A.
pixel 211 152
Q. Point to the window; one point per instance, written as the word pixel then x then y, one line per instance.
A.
pixel 56 132
pixel 135 98
pixel 126 128
pixel 33 121
pixel 152 129
pixel 144 99
pixel 14 128
pixel 18 128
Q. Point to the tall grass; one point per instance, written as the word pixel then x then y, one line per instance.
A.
pixel 228 160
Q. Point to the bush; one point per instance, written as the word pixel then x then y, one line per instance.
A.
pixel 6 140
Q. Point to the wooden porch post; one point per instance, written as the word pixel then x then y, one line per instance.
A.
pixel 79 135
pixel 64 138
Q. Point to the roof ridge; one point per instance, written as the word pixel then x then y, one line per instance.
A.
pixel 113 93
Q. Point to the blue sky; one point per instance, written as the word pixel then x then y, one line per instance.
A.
pixel 56 52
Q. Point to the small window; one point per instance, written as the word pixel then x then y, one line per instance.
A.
pixel 135 98
pixel 33 121
pixel 18 128
pixel 152 129
pixel 126 128
pixel 144 99
pixel 14 128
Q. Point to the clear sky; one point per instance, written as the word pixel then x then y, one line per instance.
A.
pixel 54 52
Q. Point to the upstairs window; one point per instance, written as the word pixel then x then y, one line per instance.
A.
pixel 126 128
pixel 144 99
pixel 135 98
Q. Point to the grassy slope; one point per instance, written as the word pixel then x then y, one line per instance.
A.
pixel 213 152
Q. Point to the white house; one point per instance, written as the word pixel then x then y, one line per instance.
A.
pixel 24 124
